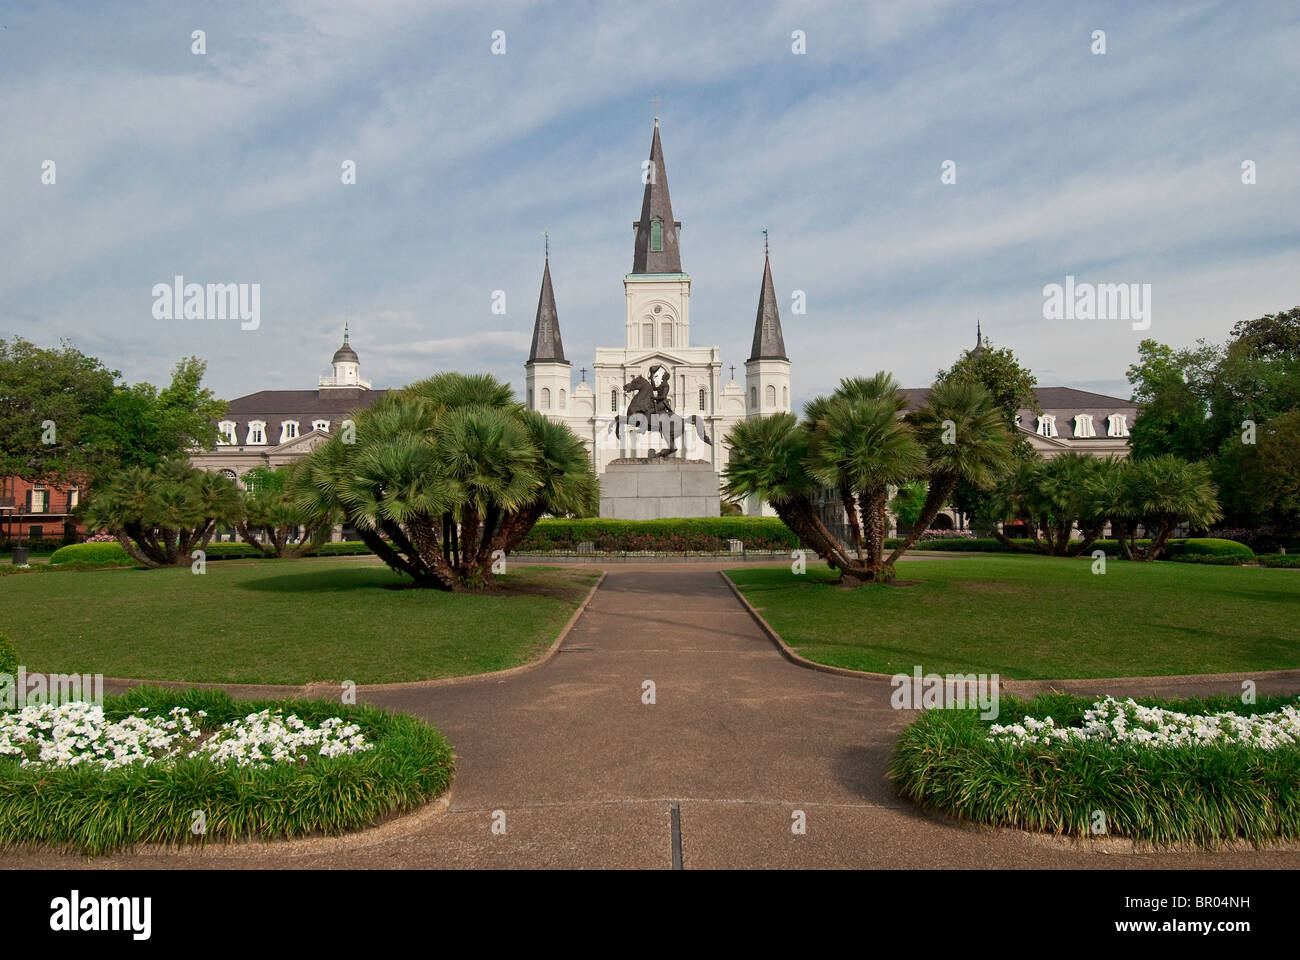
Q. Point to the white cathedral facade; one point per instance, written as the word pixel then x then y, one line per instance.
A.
pixel 657 333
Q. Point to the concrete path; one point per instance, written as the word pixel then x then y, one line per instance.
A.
pixel 588 775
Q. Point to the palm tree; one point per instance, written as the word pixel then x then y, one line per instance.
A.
pixel 446 476
pixel 161 515
pixel 964 438
pixel 270 507
pixel 861 447
pixel 1160 493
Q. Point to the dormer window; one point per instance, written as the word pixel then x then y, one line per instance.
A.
pixel 656 235
pixel 288 430
pixel 1083 425
pixel 321 425
pixel 256 432
pixel 1047 426
pixel 1117 425
pixel 226 432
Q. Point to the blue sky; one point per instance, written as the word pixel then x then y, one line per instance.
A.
pixel 225 168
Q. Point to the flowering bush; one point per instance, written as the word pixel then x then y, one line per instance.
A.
pixel 101 538
pixel 947 535
pixel 1128 722
pixel 78 733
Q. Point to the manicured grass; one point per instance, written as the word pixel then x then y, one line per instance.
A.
pixel 1038 617
pixel 282 621
pixel 1203 795
pixel 98 811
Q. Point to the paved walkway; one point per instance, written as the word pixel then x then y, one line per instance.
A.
pixel 588 775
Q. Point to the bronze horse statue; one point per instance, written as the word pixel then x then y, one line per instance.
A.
pixel 650 406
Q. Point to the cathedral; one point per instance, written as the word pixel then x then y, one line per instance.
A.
pixel 657 348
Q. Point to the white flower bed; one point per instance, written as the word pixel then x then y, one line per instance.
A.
pixel 1113 722
pixel 77 733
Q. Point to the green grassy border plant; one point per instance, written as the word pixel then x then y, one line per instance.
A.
pixel 98 811
pixel 1203 795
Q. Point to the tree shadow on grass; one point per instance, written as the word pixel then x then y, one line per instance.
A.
pixel 326 581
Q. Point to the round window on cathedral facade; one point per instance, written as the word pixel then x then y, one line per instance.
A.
pixel 658 308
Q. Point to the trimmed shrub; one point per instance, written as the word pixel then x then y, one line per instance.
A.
pixel 691 534
pixel 1210 550
pixel 92 554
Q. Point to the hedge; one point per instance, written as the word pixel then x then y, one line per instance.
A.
pixel 1279 560
pixel 1210 550
pixel 96 554
pixel 691 534
pixel 45 545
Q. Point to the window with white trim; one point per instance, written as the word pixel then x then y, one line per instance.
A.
pixel 1047 426
pixel 546 398
pixel 1083 425
pixel 226 432
pixel 703 397
pixel 321 425
pixel 288 430
pixel 770 395
pixel 613 400
pixel 256 432
pixel 1117 425
pixel 564 398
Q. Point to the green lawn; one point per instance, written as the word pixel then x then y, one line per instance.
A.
pixel 1032 617
pixel 281 621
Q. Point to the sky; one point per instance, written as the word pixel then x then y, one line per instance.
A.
pixel 225 167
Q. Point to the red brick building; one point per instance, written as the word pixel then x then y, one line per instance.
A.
pixel 38 511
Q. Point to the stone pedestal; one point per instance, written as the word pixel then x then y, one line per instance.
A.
pixel 651 489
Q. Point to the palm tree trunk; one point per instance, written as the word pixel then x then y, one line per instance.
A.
pixel 941 488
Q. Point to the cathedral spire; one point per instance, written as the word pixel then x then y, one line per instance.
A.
pixel 769 343
pixel 979 339
pixel 546 329
pixel 656 249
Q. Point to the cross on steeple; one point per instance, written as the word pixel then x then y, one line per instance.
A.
pixel 733 371
pixel 656 101
pixel 584 374
pixel 546 239
pixel 765 242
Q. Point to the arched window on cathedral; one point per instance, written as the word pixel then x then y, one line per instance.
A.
pixel 785 398
pixel 656 235
pixel 546 398
pixel 753 397
pixel 703 397
pixel 647 334
pixel 770 395
pixel 613 400
pixel 562 398
pixel 665 335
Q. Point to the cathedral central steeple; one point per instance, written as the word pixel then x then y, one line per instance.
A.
pixel 656 249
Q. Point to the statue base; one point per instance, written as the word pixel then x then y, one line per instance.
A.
pixel 648 488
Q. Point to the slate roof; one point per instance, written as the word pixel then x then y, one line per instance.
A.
pixel 769 343
pixel 1061 402
pixel 655 204
pixel 276 406
pixel 547 345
